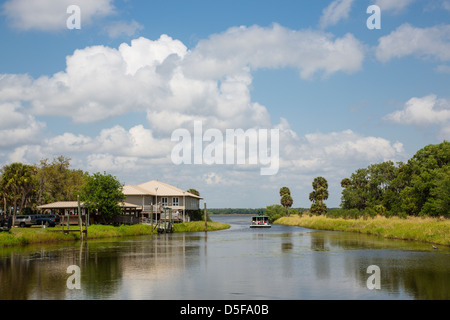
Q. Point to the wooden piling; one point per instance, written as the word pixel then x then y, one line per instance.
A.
pixel 151 216
pixel 80 222
pixel 206 218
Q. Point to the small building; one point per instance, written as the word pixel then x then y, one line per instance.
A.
pixel 154 198
pixel 129 215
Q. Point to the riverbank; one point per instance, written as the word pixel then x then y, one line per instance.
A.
pixel 24 236
pixel 431 230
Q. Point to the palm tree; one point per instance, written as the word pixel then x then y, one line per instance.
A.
pixel 320 193
pixel 18 182
pixel 286 199
pixel 284 190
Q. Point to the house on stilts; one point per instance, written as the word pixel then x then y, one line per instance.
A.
pixel 155 199
pixel 150 200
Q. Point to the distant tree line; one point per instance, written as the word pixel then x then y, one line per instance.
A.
pixel 235 211
pixel 250 211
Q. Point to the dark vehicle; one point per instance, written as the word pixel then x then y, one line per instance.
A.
pixel 5 223
pixel 48 220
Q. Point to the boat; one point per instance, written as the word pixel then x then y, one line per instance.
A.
pixel 260 222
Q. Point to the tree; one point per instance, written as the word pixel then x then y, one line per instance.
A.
pixel 418 187
pixel 284 190
pixel 193 191
pixel 274 212
pixel 18 184
pixel 103 192
pixel 57 182
pixel 286 199
pixel 425 181
pixel 355 193
pixel 319 195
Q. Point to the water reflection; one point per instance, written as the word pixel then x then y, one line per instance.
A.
pixel 239 263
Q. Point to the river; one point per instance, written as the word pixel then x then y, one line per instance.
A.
pixel 281 263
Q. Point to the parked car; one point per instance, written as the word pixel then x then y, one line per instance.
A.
pixel 5 222
pixel 49 220
pixel 24 221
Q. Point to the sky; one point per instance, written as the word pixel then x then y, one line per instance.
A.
pixel 109 84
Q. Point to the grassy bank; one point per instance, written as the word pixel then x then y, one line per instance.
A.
pixel 432 230
pixel 198 226
pixel 24 236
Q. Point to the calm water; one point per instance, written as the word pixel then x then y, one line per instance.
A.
pixel 240 263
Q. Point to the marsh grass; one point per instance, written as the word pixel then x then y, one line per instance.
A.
pixel 198 226
pixel 24 236
pixel 432 230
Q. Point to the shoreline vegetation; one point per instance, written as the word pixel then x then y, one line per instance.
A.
pixel 423 229
pixel 34 235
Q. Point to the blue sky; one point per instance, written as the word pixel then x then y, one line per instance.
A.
pixel 110 94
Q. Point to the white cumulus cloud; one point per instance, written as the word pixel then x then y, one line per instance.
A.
pixel 425 111
pixel 159 77
pixel 17 126
pixel 428 110
pixel 256 47
pixel 408 40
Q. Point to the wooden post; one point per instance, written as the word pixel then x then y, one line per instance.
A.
pixel 170 219
pixel 206 217
pixel 86 221
pixel 151 216
pixel 80 223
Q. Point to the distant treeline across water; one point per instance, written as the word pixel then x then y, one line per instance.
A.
pixel 243 210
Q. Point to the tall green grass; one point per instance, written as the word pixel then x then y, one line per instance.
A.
pixel 198 226
pixel 432 230
pixel 24 236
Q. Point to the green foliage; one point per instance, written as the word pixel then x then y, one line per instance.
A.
pixel 18 186
pixel 284 190
pixel 23 187
pixel 318 196
pixel 103 192
pixel 419 187
pixel 57 182
pixel 194 191
pixel 380 209
pixel 275 212
pixel 286 199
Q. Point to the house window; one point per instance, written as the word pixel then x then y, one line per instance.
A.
pixel 175 202
pixel 164 201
